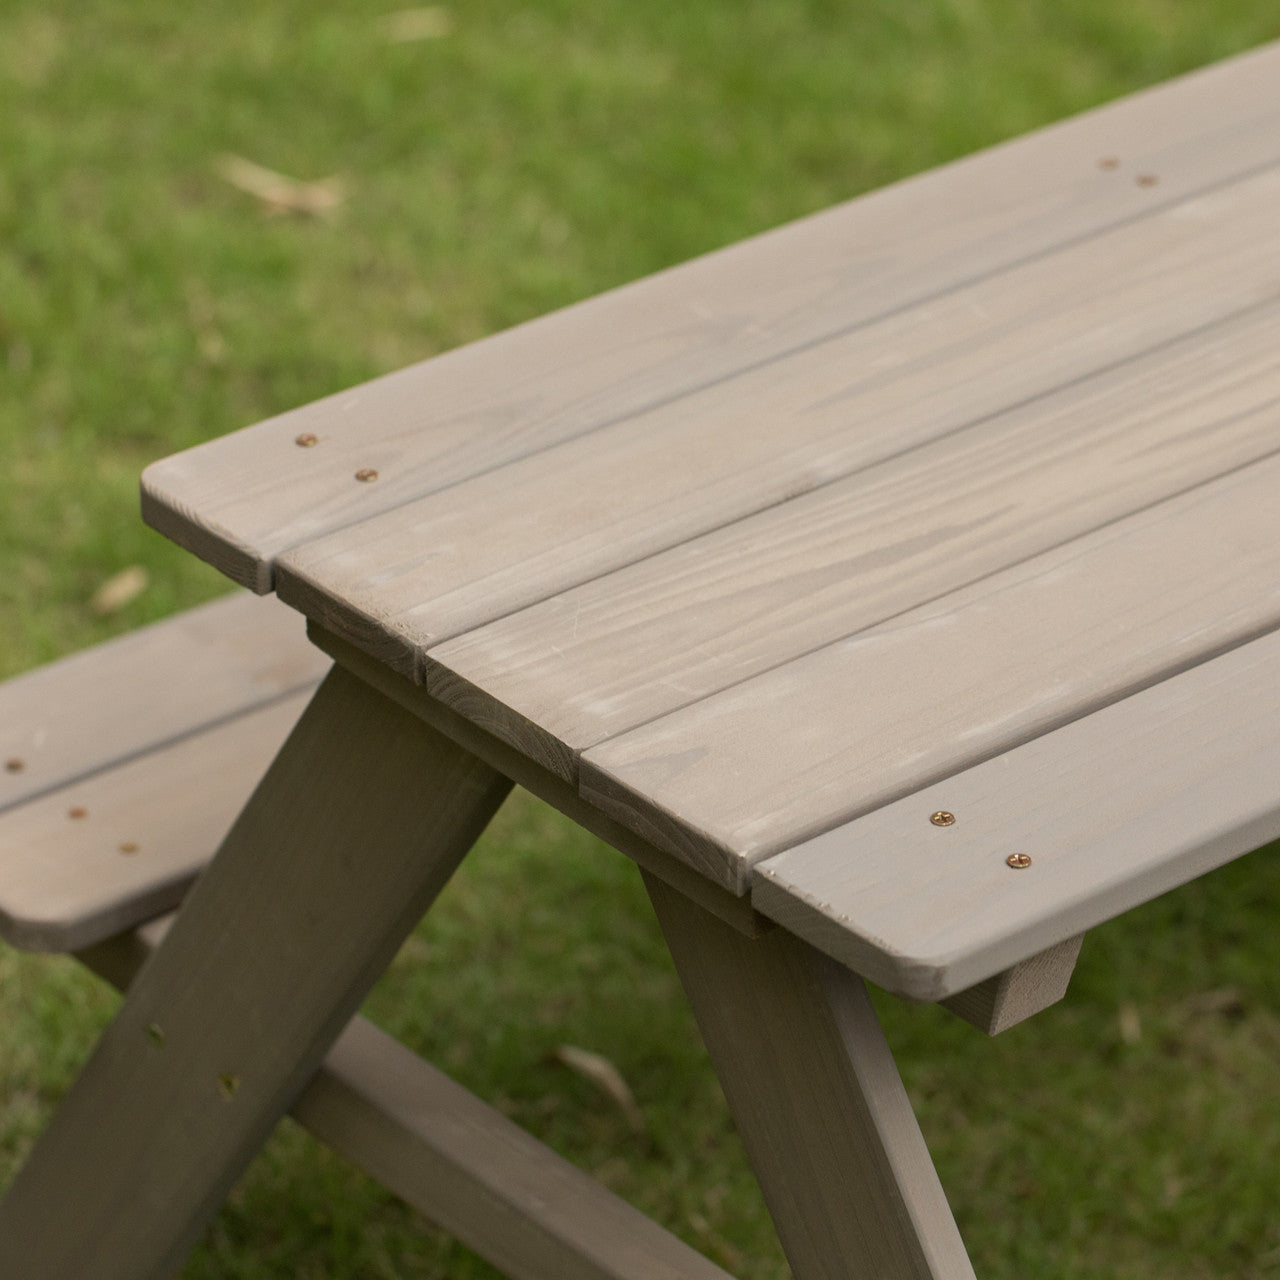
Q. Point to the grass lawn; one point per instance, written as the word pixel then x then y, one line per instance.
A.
pixel 506 160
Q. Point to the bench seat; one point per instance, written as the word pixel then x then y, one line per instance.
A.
pixel 121 768
pixel 119 776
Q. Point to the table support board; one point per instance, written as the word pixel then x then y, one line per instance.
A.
pixel 261 972
pixel 818 1100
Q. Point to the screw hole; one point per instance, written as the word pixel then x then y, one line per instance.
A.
pixel 228 1085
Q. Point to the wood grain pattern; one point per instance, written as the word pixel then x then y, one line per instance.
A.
pixel 768 763
pixel 113 849
pixel 434 568
pixel 1113 809
pixel 95 709
pixel 357 825
pixel 817 1098
pixel 624 649
pixel 240 501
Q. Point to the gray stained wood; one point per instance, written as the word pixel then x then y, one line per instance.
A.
pixel 92 710
pixel 732 908
pixel 470 1170
pixel 465 1166
pixel 239 502
pixel 378 809
pixel 1112 810
pixel 587 664
pixel 107 851
pixel 765 764
pixel 818 1101
pixel 434 568
pixel 976 464
pixel 1020 992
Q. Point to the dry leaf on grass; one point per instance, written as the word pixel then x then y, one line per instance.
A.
pixel 417 24
pixel 119 590
pixel 280 193
pixel 606 1077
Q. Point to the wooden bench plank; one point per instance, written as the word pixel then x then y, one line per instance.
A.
pixel 1114 809
pixel 753 770
pixel 405 580
pixel 548 381
pixel 619 651
pixel 112 849
pixel 94 709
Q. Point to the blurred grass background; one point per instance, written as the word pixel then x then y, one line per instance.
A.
pixel 508 159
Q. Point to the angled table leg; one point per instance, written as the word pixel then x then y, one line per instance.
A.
pixel 354 830
pixel 818 1101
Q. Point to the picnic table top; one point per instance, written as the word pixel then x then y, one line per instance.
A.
pixel 774 539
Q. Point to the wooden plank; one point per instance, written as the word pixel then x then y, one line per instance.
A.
pixel 817 1098
pixel 735 910
pixel 71 718
pixel 468 1168
pixel 770 762
pixel 359 822
pixel 1008 998
pixel 238 502
pixel 479 1176
pixel 560 677
pixel 98 856
pixel 404 581
pixel 1112 810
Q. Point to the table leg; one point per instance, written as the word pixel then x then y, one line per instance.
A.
pixel 353 831
pixel 818 1100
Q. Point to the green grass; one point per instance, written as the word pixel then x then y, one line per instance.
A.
pixel 537 154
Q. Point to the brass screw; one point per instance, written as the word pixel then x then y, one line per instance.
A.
pixel 76 812
pixel 1147 179
pixel 228 1084
pixel 943 819
pixel 1108 162
pixel 367 474
pixel 1018 861
pixel 307 441
pixel 129 846
pixel 155 1034
pixel 14 765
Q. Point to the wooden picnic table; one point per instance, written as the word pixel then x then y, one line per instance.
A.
pixel 900 589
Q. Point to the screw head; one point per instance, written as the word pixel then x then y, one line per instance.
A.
pixel 76 812
pixel 1147 180
pixel 1019 861
pixel 306 441
pixel 14 765
pixel 366 474
pixel 1108 162
pixel 129 846
pixel 943 819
